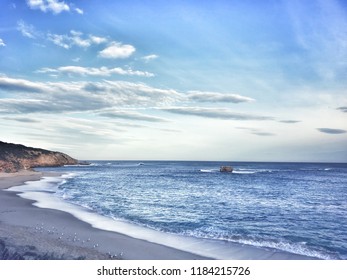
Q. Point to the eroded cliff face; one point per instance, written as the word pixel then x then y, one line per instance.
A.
pixel 17 157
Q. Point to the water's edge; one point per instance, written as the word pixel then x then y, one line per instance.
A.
pixel 43 193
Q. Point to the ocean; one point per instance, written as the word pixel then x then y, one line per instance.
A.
pixel 298 208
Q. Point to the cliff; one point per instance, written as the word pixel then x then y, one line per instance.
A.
pixel 15 157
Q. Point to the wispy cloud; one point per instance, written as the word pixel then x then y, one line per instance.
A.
pixel 59 40
pixel 216 113
pixel 20 85
pixel 289 121
pixel 131 115
pixel 261 133
pixel 332 130
pixel 27 30
pixel 2 43
pixel 68 131
pixel 97 40
pixel 117 50
pixel 79 11
pixel 91 71
pixel 23 120
pixel 80 96
pixel 150 57
pixel 217 97
pixel 257 131
pixel 342 109
pixel 323 37
pixel 75 38
pixel 102 98
pixel 54 6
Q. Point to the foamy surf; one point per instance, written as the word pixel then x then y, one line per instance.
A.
pixel 209 170
pixel 42 192
pixel 270 206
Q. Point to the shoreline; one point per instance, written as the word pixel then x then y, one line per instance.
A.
pixel 8 180
pixel 30 232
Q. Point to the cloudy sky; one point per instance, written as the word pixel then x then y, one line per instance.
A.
pixel 183 80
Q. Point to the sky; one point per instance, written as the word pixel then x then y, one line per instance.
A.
pixel 223 80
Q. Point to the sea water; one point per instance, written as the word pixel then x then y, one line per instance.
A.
pixel 298 208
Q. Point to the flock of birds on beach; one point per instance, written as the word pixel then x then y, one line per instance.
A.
pixel 73 238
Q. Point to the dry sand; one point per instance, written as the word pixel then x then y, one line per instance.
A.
pixel 29 232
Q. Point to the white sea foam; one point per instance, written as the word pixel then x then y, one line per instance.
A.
pixel 42 192
pixel 252 171
pixel 69 175
pixel 244 172
pixel 209 170
pixel 294 248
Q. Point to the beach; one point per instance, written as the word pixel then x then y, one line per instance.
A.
pixel 36 222
pixel 29 232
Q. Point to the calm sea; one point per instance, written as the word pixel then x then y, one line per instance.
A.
pixel 292 207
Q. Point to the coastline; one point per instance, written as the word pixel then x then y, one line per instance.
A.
pixel 8 180
pixel 35 232
pixel 30 232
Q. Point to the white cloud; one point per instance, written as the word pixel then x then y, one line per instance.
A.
pixel 54 6
pixel 22 120
pixel 97 40
pixel 202 96
pixel 131 115
pixel 91 71
pixel 55 97
pixel 20 85
pixel 257 131
pixel 117 50
pixel 78 41
pixel 27 30
pixel 216 113
pixel 2 44
pixel 75 38
pixel 79 11
pixel 289 121
pixel 150 57
pixel 59 40
pixel 111 99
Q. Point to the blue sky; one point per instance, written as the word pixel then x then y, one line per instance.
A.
pixel 184 80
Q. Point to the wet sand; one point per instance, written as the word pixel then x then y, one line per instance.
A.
pixel 29 232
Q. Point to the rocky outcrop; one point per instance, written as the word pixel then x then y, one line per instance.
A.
pixel 15 157
pixel 226 169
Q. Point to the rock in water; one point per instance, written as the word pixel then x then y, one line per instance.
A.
pixel 226 169
pixel 15 157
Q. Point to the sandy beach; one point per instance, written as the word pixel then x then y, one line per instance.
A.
pixel 29 232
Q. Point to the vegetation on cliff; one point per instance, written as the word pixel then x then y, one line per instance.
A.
pixel 14 157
